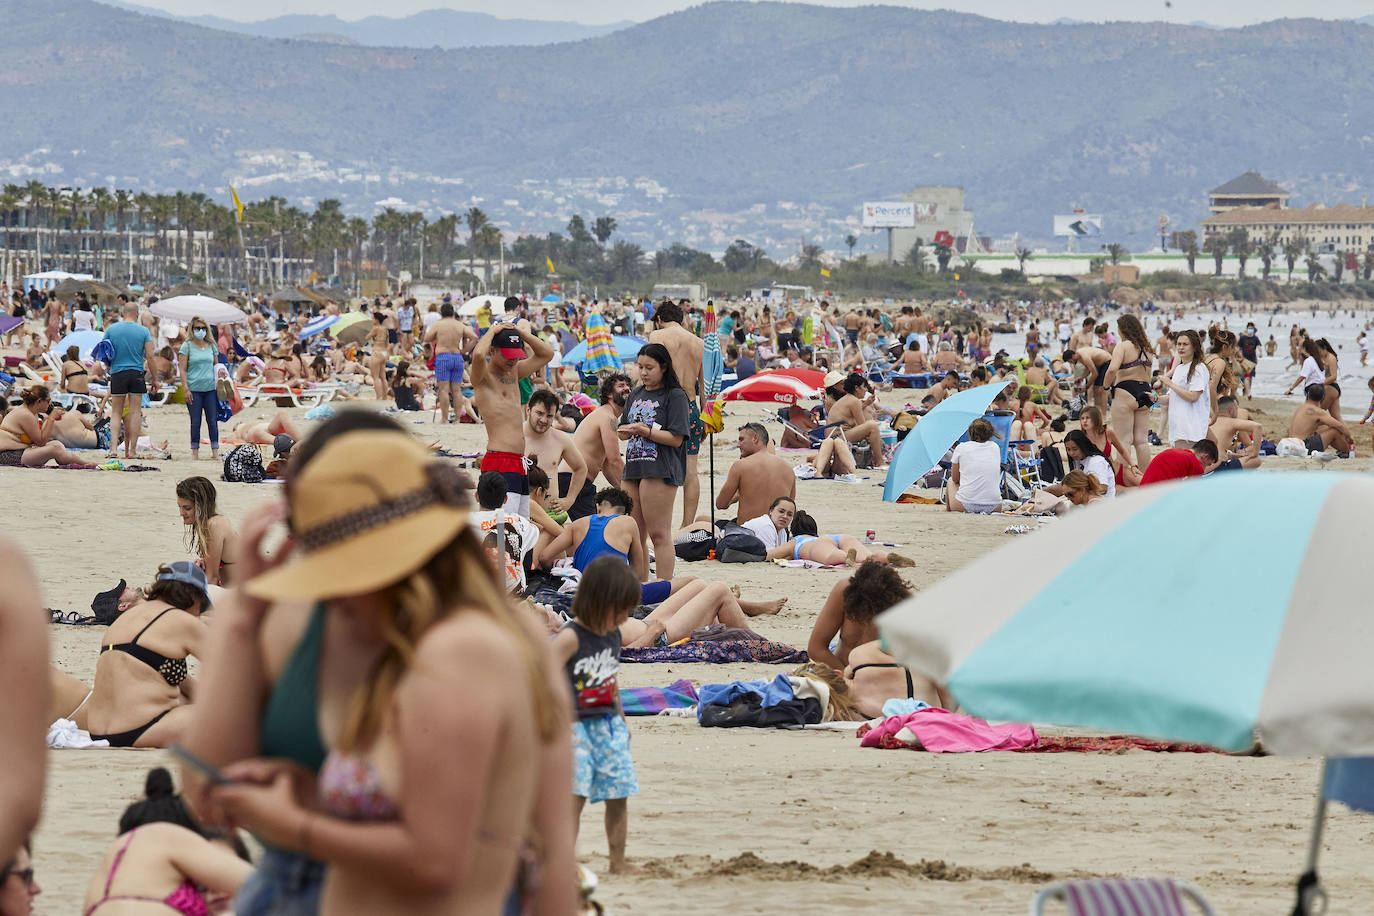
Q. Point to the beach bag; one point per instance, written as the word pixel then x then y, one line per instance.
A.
pixel 243 464
pixel 1073 407
pixel 1051 464
pixel 1291 447
pixel 740 545
pixel 102 433
pixel 227 393
pixel 103 352
pixel 692 546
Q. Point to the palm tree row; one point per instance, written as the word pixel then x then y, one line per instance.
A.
pixel 128 236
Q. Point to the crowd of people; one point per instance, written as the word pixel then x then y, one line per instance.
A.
pixel 412 610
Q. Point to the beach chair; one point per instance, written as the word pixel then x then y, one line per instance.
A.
pixel 1026 463
pixel 1122 897
pixel 802 428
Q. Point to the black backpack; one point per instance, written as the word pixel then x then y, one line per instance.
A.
pixel 243 464
pixel 692 546
pixel 740 545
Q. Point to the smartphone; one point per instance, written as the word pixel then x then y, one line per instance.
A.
pixel 207 769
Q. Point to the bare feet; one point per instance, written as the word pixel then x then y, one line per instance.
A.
pixel 851 557
pixel 625 868
pixel 899 561
pixel 759 608
pixel 734 590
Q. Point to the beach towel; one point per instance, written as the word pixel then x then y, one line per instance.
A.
pixel 1113 744
pixel 64 733
pixel 650 701
pixel 751 648
pixel 943 732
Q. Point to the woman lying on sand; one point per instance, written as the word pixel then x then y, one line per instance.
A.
pixel 258 432
pixel 142 691
pixel 828 549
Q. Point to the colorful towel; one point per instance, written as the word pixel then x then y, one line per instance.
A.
pixel 1059 744
pixel 650 701
pixel 751 648
pixel 943 732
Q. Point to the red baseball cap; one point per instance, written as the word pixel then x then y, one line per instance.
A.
pixel 509 344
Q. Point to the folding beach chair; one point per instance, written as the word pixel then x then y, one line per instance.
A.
pixel 1026 463
pixel 1122 897
pixel 802 428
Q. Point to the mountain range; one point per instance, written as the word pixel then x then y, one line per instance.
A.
pixel 436 28
pixel 769 121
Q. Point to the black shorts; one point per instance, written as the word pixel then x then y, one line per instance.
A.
pixel 585 503
pixel 128 381
pixel 392 336
pixel 1101 375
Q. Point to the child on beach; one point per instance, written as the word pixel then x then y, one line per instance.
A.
pixel 589 648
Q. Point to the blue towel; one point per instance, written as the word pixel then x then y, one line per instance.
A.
pixel 771 693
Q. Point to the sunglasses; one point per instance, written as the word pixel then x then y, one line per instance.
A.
pixel 25 875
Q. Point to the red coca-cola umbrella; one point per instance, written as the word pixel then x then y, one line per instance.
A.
pixel 771 386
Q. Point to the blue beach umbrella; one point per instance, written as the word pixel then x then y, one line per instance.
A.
pixel 1284 659
pixel 551 298
pixel 317 324
pixel 84 341
pixel 627 348
pixel 933 434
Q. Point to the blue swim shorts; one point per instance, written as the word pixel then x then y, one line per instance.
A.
pixel 448 367
pixel 602 767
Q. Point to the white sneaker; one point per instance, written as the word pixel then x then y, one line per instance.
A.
pixel 848 478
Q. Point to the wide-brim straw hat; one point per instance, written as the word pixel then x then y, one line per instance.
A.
pixel 368 510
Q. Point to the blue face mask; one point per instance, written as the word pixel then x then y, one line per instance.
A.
pixel 200 333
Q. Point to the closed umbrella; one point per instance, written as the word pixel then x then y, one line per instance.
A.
pixel 626 348
pixel 933 434
pixel 1287 661
pixel 770 387
pixel 84 341
pixel 601 352
pixel 184 308
pixel 712 369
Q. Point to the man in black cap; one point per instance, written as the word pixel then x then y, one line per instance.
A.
pixel 499 361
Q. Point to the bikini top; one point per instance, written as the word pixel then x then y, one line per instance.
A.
pixel 1140 360
pixel 173 670
pixel 186 899
pixel 351 789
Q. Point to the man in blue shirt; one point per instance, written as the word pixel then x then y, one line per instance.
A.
pixel 133 348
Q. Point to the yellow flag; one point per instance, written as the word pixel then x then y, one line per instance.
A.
pixel 824 272
pixel 238 204
pixel 956 276
pixel 549 261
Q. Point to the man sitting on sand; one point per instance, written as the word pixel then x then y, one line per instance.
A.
pixel 947 385
pixel 1178 463
pixel 1317 429
pixel 1236 437
pixel 758 477
pixel 848 411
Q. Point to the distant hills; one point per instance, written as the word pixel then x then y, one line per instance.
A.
pixel 429 29
pixel 770 121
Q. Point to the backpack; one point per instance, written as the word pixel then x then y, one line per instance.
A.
pixel 740 545
pixel 1051 464
pixel 1073 407
pixel 243 464
pixel 692 546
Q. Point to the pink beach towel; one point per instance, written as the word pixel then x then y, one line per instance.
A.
pixel 943 732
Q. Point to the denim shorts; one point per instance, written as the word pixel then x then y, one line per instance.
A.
pixel 284 884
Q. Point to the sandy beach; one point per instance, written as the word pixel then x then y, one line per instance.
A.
pixel 749 820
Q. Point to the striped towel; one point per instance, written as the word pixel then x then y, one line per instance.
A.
pixel 1124 897
pixel 650 701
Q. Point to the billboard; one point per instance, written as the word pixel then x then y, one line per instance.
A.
pixel 1078 225
pixel 926 214
pixel 889 215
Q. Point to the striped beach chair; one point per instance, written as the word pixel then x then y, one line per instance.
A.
pixel 1122 897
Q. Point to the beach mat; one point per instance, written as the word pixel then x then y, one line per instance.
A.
pixel 1113 744
pixel 650 701
pixel 746 648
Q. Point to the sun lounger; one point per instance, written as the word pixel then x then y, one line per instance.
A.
pixel 1121 897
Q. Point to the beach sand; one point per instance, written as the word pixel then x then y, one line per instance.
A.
pixel 758 821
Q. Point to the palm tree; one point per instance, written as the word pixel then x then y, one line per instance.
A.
pixel 1216 246
pixel 1293 249
pixel 1022 256
pixel 1116 252
pixel 1314 266
pixel 489 239
pixel 1265 249
pixel 603 228
pixel 10 199
pixel 54 205
pixel 1339 267
pixel 1186 242
pixel 475 220
pixel 627 261
pixel 850 241
pixel 1238 240
pixel 1368 264
pixel 916 257
pixel 811 255
pixel 357 231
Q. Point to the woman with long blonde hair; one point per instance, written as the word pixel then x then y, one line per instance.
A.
pixel 396 734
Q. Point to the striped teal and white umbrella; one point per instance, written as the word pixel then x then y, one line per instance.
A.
pixel 1215 610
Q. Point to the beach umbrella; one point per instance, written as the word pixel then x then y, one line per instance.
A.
pixel 352 328
pixel 770 386
pixel 933 434
pixel 813 377
pixel 1285 659
pixel 551 298
pixel 471 307
pixel 712 369
pixel 316 325
pixel 84 341
pixel 9 323
pixel 184 308
pixel 626 348
pixel 601 354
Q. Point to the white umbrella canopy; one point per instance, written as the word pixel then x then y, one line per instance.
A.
pixel 471 307
pixel 184 308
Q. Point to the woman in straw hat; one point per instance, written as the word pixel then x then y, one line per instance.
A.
pixel 414 741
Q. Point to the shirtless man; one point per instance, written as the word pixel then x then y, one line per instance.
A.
pixel 499 362
pixel 599 446
pixel 1086 336
pixel 450 339
pixel 547 446
pixel 849 410
pixel 947 385
pixel 1317 429
pixel 1094 361
pixel 1230 429
pixel 1037 376
pixel 853 324
pixel 1164 347
pixel 685 348
pixel 758 477
pixel 902 324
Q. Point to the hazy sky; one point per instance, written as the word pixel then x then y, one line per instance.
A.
pixel 1218 12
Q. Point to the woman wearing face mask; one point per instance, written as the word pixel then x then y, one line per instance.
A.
pixel 197 361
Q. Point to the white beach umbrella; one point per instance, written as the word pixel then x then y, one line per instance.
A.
pixel 184 308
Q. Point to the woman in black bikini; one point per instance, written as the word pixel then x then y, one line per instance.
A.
pixel 1128 378
pixel 142 691
pixel 75 378
pixel 1218 363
